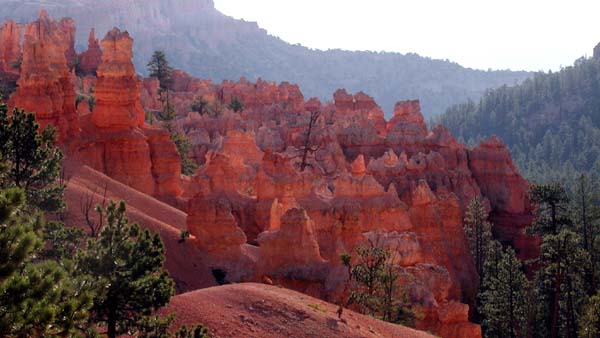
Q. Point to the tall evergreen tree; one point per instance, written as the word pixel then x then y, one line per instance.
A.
pixel 127 264
pixel 479 233
pixel 504 296
pixel 37 298
pixel 236 105
pixel 159 67
pixel 587 224
pixel 374 274
pixel 559 285
pixel 553 204
pixel 32 158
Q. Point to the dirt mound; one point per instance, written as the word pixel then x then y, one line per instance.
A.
pixel 263 311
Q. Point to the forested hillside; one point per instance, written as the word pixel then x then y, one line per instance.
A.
pixel 551 122
pixel 208 44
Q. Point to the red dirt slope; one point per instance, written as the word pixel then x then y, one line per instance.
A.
pixel 186 264
pixel 262 311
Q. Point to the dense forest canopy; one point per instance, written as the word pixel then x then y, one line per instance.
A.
pixel 551 122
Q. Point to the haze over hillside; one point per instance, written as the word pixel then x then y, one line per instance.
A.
pixel 206 43
pixel 551 122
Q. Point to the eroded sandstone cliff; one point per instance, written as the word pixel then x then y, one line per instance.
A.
pixel 269 198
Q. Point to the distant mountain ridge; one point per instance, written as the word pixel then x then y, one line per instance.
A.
pixel 206 43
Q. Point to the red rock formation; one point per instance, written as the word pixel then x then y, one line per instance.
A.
pixel 296 231
pixel 506 190
pixel 166 163
pixel 407 128
pixel 91 58
pixel 10 46
pixel 116 140
pixel 254 211
pixel 213 225
pixel 118 103
pixel 45 86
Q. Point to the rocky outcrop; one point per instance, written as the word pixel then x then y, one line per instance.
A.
pixel 213 225
pixel 115 139
pixel 44 85
pixel 90 59
pixel 304 261
pixel 506 190
pixel 117 90
pixel 10 47
pixel 253 208
pixel 407 128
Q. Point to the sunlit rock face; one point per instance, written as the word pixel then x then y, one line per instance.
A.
pixel 44 85
pixel 116 139
pixel 10 46
pixel 364 176
pixel 117 90
pixel 278 193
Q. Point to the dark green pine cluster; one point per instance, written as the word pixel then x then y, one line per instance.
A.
pixel 57 281
pixel 561 297
pixel 551 122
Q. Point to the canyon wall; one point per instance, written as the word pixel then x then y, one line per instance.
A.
pixel 271 199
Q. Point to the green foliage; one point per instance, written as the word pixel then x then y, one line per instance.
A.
pixel 374 275
pixel 236 105
pixel 188 166
pixel 18 238
pixel 61 242
pixel 51 285
pixel 479 233
pixel 559 285
pixel 127 267
pixel 159 67
pixel 504 295
pixel 553 203
pixel 167 116
pixel 586 218
pixel 183 236
pixel 589 325
pixel 560 281
pixel 199 105
pixel 551 122
pixel 32 159
pixel 198 331
pixel 37 298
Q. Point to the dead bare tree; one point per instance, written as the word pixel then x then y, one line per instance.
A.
pixel 308 146
pixel 87 206
pixel 63 181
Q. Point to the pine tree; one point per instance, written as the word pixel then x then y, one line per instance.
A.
pixel 32 158
pixel 553 204
pixel 587 224
pixel 127 264
pixel 236 105
pixel 504 297
pixel 479 233
pixel 589 324
pixel 559 284
pixel 200 105
pixel 374 274
pixel 37 298
pixel 159 67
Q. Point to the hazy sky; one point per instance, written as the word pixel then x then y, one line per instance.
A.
pixel 497 34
